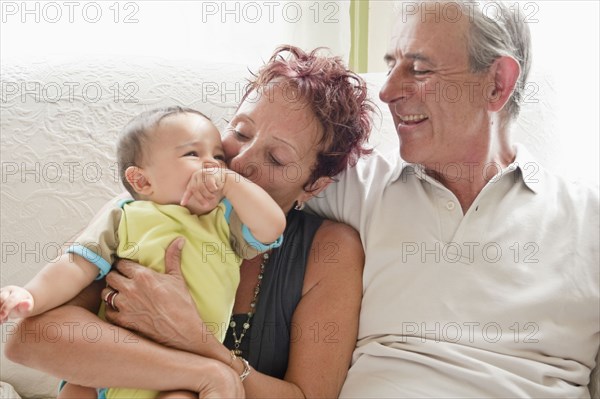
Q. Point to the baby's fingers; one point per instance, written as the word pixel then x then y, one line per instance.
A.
pixel 16 303
pixel 23 309
pixel 193 189
pixel 211 184
pixel 7 303
pixel 4 294
pixel 186 197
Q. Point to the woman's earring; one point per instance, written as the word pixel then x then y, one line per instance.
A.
pixel 299 206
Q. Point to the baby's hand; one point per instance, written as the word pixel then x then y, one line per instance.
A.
pixel 206 187
pixel 15 302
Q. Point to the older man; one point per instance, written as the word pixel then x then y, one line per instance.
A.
pixel 481 275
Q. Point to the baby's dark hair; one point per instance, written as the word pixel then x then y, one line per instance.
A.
pixel 133 137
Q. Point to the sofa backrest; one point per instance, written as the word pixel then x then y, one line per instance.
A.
pixel 59 120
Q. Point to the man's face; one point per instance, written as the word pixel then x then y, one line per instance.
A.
pixel 439 107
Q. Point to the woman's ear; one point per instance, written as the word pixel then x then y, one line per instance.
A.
pixel 137 179
pixel 505 74
pixel 315 188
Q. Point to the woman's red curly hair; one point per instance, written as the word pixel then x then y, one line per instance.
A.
pixel 337 97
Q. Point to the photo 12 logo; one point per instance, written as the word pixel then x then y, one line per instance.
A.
pixel 453 11
pixel 53 12
pixel 270 11
pixel 54 92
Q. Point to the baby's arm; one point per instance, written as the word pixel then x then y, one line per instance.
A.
pixel 255 208
pixel 57 283
pixel 62 279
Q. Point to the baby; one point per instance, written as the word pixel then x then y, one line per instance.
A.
pixel 171 161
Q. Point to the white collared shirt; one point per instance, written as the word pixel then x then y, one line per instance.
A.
pixel 502 301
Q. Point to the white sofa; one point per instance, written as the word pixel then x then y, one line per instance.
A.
pixel 59 120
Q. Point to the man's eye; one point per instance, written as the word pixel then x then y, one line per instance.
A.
pixel 390 67
pixel 421 72
pixel 191 154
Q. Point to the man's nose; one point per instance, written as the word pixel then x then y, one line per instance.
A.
pixel 397 86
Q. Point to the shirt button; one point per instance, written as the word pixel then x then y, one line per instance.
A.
pixel 450 205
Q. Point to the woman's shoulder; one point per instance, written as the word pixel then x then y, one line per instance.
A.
pixel 325 231
pixel 338 232
pixel 336 250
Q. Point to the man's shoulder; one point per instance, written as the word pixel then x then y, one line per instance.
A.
pixel 377 168
pixel 565 189
pixel 555 186
pixel 576 204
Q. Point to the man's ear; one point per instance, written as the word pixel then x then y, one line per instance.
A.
pixel 505 72
pixel 315 188
pixel 136 177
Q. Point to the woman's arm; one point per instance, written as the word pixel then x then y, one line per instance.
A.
pixel 326 319
pixel 72 343
pixel 327 316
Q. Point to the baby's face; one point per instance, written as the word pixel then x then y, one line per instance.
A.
pixel 179 146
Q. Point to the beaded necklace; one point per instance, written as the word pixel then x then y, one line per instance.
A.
pixel 238 340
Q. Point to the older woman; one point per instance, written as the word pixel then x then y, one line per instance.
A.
pixel 295 318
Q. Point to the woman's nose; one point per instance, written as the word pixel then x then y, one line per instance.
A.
pixel 245 162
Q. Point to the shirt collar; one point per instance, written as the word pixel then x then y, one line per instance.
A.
pixel 529 169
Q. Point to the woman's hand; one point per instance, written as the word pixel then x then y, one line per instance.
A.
pixel 159 306
pixel 223 382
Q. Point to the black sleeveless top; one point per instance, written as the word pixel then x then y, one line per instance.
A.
pixel 266 344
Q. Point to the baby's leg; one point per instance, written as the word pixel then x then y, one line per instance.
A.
pixel 72 391
pixel 178 395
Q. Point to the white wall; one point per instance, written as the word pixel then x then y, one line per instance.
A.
pixel 380 27
pixel 244 32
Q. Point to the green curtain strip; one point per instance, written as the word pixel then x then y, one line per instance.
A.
pixel 359 26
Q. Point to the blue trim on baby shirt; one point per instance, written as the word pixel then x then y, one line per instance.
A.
pixel 124 201
pixel 91 257
pixel 250 239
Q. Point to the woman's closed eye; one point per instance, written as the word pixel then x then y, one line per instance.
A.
pixel 275 161
pixel 239 135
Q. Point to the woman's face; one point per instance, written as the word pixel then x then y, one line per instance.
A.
pixel 272 140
